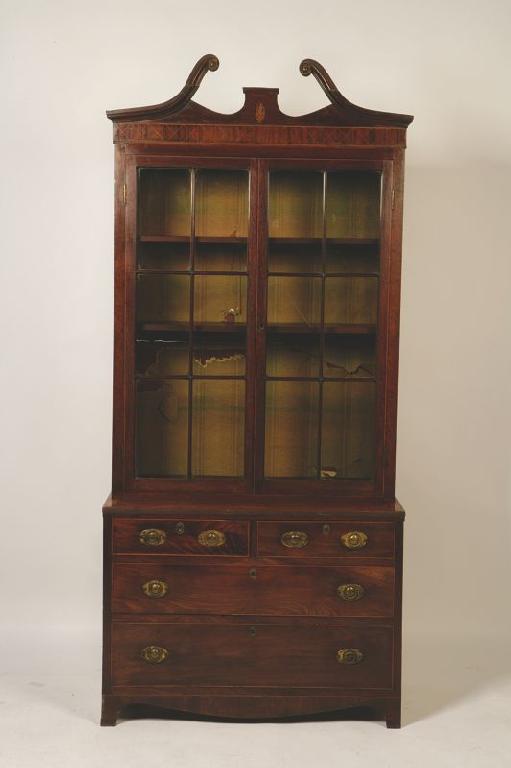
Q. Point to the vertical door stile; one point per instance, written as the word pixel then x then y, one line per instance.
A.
pixel 193 174
pixel 385 452
pixel 129 330
pixel 319 460
pixel 251 335
pixel 261 227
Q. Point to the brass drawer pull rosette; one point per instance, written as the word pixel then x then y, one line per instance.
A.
pixel 349 656
pixel 294 539
pixel 354 539
pixel 211 538
pixel 351 592
pixel 152 537
pixel 155 588
pixel 153 654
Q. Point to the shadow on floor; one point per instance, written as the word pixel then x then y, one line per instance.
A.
pixel 439 673
pixel 137 711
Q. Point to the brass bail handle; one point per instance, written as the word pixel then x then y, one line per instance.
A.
pixel 354 539
pixel 152 537
pixel 154 654
pixel 349 656
pixel 351 592
pixel 155 588
pixel 211 538
pixel 294 539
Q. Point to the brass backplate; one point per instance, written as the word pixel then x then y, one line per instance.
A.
pixel 350 592
pixel 152 537
pixel 211 538
pixel 294 539
pixel 354 539
pixel 349 656
pixel 155 588
pixel 154 654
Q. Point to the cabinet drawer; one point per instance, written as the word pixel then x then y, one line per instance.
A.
pixel 254 590
pixel 180 537
pixel 166 654
pixel 314 539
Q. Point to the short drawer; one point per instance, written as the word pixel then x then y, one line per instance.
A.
pixel 166 654
pixel 325 539
pixel 180 537
pixel 351 591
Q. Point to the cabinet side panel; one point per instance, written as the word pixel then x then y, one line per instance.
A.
pixel 107 597
pixel 118 440
pixel 394 295
pixel 398 617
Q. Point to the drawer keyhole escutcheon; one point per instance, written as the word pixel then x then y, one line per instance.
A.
pixel 152 537
pixel 354 539
pixel 349 656
pixel 180 529
pixel 154 654
pixel 253 631
pixel 252 573
pixel 155 588
pixel 211 538
pixel 294 539
pixel 351 592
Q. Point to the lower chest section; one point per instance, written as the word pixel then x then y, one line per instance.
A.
pixel 277 605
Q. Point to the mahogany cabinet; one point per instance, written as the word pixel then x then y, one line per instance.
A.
pixel 252 540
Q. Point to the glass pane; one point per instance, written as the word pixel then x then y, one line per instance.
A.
pixel 220 299
pixel 218 428
pixel 221 204
pixel 211 427
pixel 297 257
pixel 348 430
pixel 164 256
pixel 163 298
pixel 296 204
pixel 353 204
pixel 224 257
pixel 159 358
pixel 164 202
pixel 162 428
pixel 352 258
pixel 291 435
pixel 218 354
pixel 352 357
pixel 351 300
pixel 292 355
pixel 294 301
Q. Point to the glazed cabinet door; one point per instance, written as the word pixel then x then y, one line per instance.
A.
pixel 256 324
pixel 320 311
pixel 191 254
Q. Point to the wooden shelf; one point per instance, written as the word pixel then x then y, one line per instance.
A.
pixel 338 329
pixel 164 239
pixel 183 327
pixel 321 274
pixel 187 272
pixel 186 239
pixel 205 240
pixel 318 240
pixel 347 329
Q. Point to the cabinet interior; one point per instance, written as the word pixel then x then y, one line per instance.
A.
pixel 193 358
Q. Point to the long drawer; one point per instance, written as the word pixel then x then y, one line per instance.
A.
pixel 162 536
pixel 325 539
pixel 194 654
pixel 272 590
